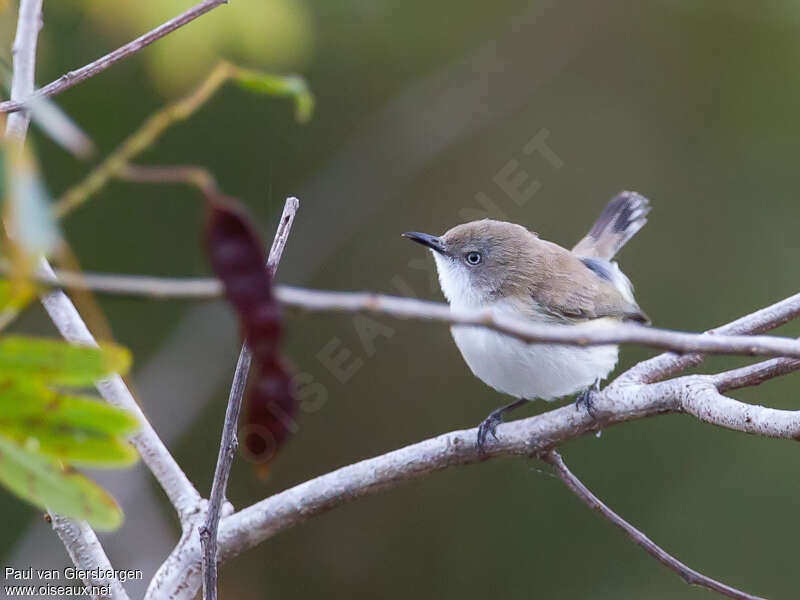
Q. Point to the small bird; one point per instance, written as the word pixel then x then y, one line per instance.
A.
pixel 508 268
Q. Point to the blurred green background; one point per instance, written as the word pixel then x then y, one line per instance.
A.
pixel 419 106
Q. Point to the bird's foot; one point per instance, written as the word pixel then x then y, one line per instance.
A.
pixel 490 423
pixel 586 399
pixel 489 426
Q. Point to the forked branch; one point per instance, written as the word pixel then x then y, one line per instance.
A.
pixel 639 393
pixel 696 395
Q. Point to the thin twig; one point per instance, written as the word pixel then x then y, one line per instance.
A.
pixel 197 177
pixel 189 288
pixel 117 164
pixel 756 374
pixel 581 334
pixel 668 364
pixel 229 443
pixel 688 574
pixel 67 80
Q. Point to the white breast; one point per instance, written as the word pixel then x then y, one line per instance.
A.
pixel 513 367
pixel 532 370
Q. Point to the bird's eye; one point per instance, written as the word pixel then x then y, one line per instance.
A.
pixel 473 258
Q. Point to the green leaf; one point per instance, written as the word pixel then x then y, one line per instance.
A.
pixel 76 429
pixel 58 362
pixel 293 86
pixel 73 446
pixel 43 482
pixel 25 400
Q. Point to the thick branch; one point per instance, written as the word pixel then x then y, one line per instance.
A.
pixel 154 453
pixel 179 489
pixel 87 554
pixel 707 404
pixel 229 443
pixel 178 578
pixel 525 437
pixel 688 574
pixel 67 80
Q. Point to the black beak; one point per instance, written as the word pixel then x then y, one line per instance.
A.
pixel 431 241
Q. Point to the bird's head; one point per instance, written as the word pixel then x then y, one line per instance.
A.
pixel 482 261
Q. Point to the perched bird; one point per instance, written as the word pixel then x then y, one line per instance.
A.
pixel 506 267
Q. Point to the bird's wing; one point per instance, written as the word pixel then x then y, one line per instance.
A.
pixel 584 289
pixel 622 217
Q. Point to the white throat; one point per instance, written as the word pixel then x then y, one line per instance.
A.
pixel 455 284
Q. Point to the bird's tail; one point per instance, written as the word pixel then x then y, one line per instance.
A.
pixel 620 220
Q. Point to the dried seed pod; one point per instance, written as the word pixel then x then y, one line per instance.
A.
pixel 237 257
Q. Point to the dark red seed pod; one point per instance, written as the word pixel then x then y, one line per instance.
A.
pixel 237 257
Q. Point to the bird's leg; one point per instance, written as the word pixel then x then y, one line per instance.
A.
pixel 490 423
pixel 586 398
